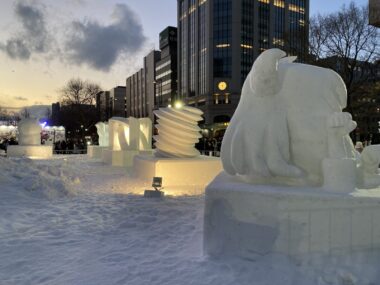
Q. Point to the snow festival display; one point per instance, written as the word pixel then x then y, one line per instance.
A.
pixel 176 159
pixel 291 171
pixel 29 139
pixel 127 138
pixel 95 151
pixel 102 130
pixel 178 132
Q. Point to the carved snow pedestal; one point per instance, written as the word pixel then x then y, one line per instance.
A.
pixel 127 138
pixel 197 171
pixel 291 175
pixel 29 139
pixel 247 220
pixel 176 160
pixel 96 151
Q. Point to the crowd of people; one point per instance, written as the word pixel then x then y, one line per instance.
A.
pixel 69 146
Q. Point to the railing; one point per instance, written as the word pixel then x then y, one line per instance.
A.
pixel 210 153
pixel 70 151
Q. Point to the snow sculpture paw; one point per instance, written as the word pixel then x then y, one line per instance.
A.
pixel 339 125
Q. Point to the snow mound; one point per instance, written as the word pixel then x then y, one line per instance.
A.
pixel 40 180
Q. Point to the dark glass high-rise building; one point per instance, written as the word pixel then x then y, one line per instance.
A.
pixel 166 69
pixel 111 103
pixel 218 41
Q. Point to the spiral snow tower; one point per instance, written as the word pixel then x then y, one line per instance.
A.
pixel 178 132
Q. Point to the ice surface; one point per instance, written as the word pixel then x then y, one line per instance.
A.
pixel 73 220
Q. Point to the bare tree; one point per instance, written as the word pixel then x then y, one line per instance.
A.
pixel 348 41
pixel 344 42
pixel 77 92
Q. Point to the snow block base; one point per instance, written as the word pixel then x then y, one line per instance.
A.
pixel 31 151
pixel 153 194
pixel 95 151
pixel 178 171
pixel 246 220
pixel 121 158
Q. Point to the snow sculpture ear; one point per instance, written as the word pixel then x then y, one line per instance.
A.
pixel 263 78
pixel 288 59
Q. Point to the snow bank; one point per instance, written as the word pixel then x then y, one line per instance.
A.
pixel 40 180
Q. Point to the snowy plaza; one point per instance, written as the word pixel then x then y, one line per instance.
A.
pixel 74 220
pixel 190 142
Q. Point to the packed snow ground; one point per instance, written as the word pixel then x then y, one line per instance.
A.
pixel 72 220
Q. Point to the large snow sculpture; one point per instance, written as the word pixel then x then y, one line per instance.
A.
pixel 29 139
pixel 124 133
pixel 178 131
pixel 288 124
pixel 289 130
pixel 102 130
pixel 127 138
pixel 96 151
pixel 176 160
pixel 29 132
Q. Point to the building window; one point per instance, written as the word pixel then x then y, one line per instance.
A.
pixel 222 38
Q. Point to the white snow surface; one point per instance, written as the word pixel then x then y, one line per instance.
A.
pixel 74 220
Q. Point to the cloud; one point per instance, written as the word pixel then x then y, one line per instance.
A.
pixel 33 36
pixel 19 98
pixel 100 46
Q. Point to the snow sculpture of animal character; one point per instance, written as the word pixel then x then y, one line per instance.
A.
pixel 123 133
pixel 29 132
pixel 102 130
pixel 289 127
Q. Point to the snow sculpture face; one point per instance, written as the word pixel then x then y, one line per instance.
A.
pixel 145 133
pixel 288 120
pixel 29 132
pixel 123 133
pixel 102 130
pixel 178 132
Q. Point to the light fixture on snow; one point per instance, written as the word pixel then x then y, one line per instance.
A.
pixel 178 105
pixel 157 185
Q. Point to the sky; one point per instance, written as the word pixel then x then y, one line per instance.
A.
pixel 44 43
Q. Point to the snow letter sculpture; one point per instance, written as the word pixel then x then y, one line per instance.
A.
pixel 178 132
pixel 123 133
pixel 29 132
pixel 102 130
pixel 289 128
pixel 145 140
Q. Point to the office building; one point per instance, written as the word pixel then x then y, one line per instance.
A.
pixel 374 13
pixel 103 107
pixel 111 103
pixel 118 101
pixel 166 69
pixel 218 41
pixel 141 88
